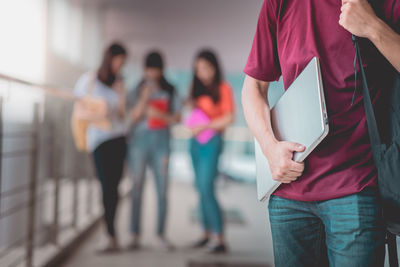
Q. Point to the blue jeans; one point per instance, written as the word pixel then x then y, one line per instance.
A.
pixel 149 148
pixel 344 232
pixel 205 164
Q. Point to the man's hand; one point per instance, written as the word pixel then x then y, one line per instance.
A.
pixel 358 17
pixel 280 159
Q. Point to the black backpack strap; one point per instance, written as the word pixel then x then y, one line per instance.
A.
pixel 369 110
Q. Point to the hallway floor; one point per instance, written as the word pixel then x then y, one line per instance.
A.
pixel 247 232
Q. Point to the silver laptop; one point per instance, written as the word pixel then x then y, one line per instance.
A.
pixel 299 116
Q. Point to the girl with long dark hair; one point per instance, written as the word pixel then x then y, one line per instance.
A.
pixel 211 98
pixel 154 108
pixel 107 144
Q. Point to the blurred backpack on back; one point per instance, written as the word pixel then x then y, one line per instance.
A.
pixel 386 153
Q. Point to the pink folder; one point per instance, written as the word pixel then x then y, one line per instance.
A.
pixel 197 118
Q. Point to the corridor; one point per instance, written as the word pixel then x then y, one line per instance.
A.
pixel 97 95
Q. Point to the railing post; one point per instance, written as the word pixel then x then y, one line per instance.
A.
pixel 56 180
pixel 75 176
pixel 1 147
pixel 89 201
pixel 32 189
pixel 75 201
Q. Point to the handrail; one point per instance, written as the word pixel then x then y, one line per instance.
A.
pixel 31 204
pixel 48 89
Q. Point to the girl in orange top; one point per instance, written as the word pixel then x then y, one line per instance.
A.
pixel 214 97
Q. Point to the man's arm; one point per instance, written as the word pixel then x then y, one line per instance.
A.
pixel 359 18
pixel 257 114
pixel 256 110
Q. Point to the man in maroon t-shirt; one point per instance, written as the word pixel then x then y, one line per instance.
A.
pixel 326 211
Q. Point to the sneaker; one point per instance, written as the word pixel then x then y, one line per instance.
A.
pixel 201 243
pixel 217 249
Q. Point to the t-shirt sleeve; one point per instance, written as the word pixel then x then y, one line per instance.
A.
pixel 263 61
pixel 391 14
pixel 82 85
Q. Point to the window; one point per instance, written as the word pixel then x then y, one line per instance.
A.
pixel 65 25
pixel 22 33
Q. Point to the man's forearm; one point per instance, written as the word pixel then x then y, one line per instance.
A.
pixel 387 41
pixel 257 111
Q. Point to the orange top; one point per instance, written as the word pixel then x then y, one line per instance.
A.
pixel 224 106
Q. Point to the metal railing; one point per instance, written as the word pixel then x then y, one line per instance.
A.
pixel 47 188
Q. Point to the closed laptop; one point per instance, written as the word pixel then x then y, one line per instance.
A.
pixel 299 116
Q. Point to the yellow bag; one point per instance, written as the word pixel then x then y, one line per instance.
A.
pixel 79 129
pixel 88 111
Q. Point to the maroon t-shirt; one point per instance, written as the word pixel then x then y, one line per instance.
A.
pixel 289 34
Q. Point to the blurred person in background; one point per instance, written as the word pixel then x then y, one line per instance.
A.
pixel 212 102
pixel 154 107
pixel 108 146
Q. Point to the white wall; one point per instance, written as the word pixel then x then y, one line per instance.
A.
pixel 181 27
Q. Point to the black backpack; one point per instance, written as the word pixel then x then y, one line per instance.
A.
pixel 385 142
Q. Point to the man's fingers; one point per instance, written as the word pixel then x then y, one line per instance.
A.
pixel 293 174
pixel 296 167
pixel 288 180
pixel 295 147
pixel 290 176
